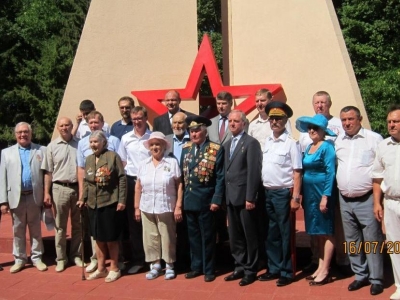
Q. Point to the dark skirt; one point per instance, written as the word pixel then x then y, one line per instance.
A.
pixel 106 223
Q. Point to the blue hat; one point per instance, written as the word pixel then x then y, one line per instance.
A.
pixel 196 121
pixel 319 120
pixel 279 109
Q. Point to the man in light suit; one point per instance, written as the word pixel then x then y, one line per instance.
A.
pixel 242 165
pixel 218 131
pixel 163 123
pixel 21 192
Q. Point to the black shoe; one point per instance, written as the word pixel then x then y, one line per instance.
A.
pixel 209 278
pixel 234 276
pixel 376 289
pixel 1 268
pixel 310 277
pixel 327 279
pixel 247 279
pixel 192 274
pixel 268 277
pixel 357 284
pixel 282 281
pixel 311 268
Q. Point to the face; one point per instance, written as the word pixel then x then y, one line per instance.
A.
pixel 156 147
pixel 261 102
pixel 224 107
pixel 198 135
pixel 351 123
pixel 316 134
pixel 321 105
pixel 96 145
pixel 64 127
pixel 85 114
pixel 95 123
pixel 277 124
pixel 178 125
pixel 393 123
pixel 139 121
pixel 23 135
pixel 172 102
pixel 236 124
pixel 125 109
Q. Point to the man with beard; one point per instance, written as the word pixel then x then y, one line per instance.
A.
pixel 180 135
pixel 125 125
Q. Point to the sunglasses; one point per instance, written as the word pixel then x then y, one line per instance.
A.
pixel 276 118
pixel 313 127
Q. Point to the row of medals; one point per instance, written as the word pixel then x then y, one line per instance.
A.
pixel 205 168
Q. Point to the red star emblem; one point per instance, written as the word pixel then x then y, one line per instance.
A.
pixel 205 63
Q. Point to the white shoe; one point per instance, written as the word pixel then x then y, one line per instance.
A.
pixel 60 266
pixel 78 262
pixel 92 266
pixel 98 274
pixel 112 276
pixel 135 269
pixel 40 265
pixel 395 296
pixel 16 267
pixel 121 266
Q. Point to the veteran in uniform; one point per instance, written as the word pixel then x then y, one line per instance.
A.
pixel 203 173
pixel 281 176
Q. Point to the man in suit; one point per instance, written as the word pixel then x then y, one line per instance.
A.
pixel 242 165
pixel 203 174
pixel 163 123
pixel 21 192
pixel 218 131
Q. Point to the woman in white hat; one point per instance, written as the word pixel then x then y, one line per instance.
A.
pixel 158 203
pixel 319 174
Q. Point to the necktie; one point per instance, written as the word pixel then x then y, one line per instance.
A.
pixel 222 129
pixel 233 145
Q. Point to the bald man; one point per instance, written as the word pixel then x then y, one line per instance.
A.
pixel 180 136
pixel 61 190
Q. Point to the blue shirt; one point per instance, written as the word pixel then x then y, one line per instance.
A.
pixel 84 149
pixel 177 146
pixel 26 180
pixel 118 129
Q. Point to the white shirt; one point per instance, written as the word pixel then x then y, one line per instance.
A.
pixel 158 185
pixel 386 166
pixel 260 129
pixel 132 151
pixel 355 158
pixel 280 158
pixel 84 130
pixel 334 124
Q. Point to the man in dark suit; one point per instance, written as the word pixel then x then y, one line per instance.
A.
pixel 163 123
pixel 203 173
pixel 242 165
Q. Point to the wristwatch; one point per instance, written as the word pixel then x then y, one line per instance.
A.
pixel 297 199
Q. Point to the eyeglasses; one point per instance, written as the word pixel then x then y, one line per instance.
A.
pixel 137 119
pixel 22 131
pixel 125 107
pixel 313 127
pixel 276 118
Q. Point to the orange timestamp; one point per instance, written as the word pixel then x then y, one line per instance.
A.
pixel 371 247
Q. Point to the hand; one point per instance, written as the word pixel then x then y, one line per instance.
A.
pixel 137 214
pixel 214 207
pixel 178 214
pixel 120 207
pixel 79 118
pixel 323 205
pixel 4 209
pixel 378 212
pixel 294 205
pixel 47 200
pixel 250 205
pixel 80 204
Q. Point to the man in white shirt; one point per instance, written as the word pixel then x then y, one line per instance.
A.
pixel 386 181
pixel 355 152
pixel 132 153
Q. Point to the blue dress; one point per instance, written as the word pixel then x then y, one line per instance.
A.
pixel 318 178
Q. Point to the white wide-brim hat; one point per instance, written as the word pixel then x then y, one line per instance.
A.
pixel 159 136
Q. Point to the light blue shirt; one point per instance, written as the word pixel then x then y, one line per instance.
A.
pixel 84 149
pixel 177 146
pixel 26 180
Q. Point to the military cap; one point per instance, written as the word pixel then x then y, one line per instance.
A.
pixel 278 109
pixel 196 121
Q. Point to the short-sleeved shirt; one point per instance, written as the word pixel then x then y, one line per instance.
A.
pixel 84 130
pixel 159 190
pixel 281 157
pixel 132 151
pixel 355 157
pixel 386 166
pixel 84 149
pixel 60 160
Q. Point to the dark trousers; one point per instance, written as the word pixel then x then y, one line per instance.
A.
pixel 243 238
pixel 135 228
pixel 277 204
pixel 201 230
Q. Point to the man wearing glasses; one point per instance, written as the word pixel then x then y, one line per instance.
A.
pixel 163 123
pixel 125 125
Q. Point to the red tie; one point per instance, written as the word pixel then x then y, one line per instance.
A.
pixel 222 129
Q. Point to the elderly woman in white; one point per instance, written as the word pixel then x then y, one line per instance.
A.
pixel 158 203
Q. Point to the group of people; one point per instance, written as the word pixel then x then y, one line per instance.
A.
pixel 177 182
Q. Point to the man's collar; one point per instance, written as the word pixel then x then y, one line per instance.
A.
pixel 185 136
pixel 25 148
pixel 282 137
pixel 360 133
pixel 239 136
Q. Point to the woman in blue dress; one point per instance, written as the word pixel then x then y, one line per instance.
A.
pixel 319 173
